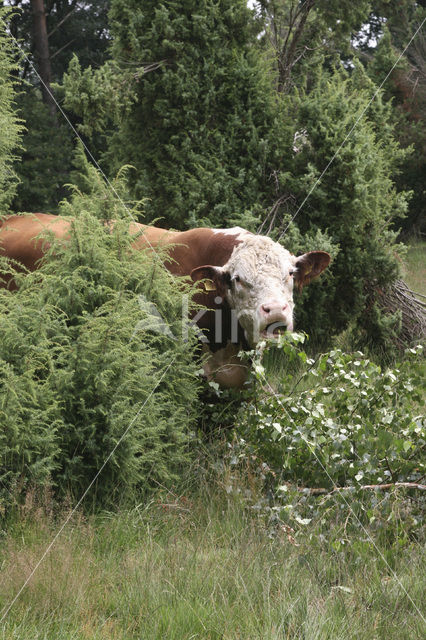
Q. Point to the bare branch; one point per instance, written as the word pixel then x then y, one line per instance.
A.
pixel 399 298
pixel 61 22
pixel 320 491
pixel 62 48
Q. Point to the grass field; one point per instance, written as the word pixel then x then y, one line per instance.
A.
pixel 208 568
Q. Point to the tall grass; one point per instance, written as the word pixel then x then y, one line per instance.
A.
pixel 415 266
pixel 207 567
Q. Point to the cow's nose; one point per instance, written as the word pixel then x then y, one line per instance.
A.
pixel 270 308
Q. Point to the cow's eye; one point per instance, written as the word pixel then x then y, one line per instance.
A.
pixel 242 282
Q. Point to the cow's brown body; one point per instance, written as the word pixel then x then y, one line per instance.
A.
pixel 188 249
pixel 21 239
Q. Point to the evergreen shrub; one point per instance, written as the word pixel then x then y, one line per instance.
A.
pixel 349 209
pixel 187 101
pixel 84 361
pixel 10 126
pixel 213 143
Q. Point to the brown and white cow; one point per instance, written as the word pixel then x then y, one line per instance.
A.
pixel 246 280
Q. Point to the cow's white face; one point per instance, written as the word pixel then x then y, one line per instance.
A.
pixel 258 280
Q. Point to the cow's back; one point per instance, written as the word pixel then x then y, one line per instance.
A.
pixel 22 239
pixel 19 239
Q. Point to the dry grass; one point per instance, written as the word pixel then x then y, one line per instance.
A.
pixel 415 267
pixel 210 569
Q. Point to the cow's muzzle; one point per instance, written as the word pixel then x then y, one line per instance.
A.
pixel 275 319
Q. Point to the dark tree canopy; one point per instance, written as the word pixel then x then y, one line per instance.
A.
pixel 48 40
pixel 198 127
pixel 10 128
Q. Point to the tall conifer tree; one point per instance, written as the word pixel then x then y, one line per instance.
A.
pixel 10 127
pixel 197 132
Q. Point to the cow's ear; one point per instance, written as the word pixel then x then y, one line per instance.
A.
pixel 309 266
pixel 215 278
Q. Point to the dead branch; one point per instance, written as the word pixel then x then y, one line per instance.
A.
pixel 272 214
pixel 320 491
pixel 285 34
pixel 399 298
pixel 61 22
pixel 61 49
pixel 147 67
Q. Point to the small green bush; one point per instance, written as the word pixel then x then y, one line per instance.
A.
pixel 88 369
pixel 339 420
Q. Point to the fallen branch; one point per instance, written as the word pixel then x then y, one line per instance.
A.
pixel 320 491
pixel 398 297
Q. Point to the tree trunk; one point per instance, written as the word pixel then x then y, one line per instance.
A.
pixel 41 44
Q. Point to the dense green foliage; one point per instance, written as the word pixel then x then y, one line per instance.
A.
pixel 46 161
pixel 73 28
pixel 405 87
pixel 10 127
pixel 338 420
pixel 197 131
pixel 209 68
pixel 191 100
pixel 212 148
pixel 349 209
pixel 88 376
